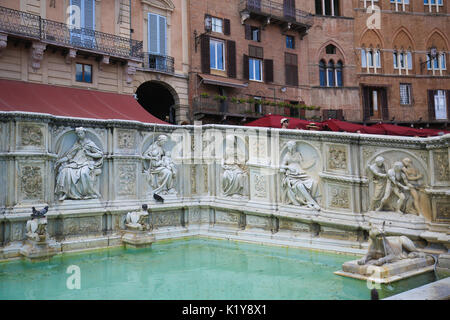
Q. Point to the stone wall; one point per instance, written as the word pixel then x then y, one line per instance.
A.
pixel 305 188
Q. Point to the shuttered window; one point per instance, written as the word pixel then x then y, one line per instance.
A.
pixel 87 21
pixel 157 34
pixel 231 59
pixel 268 70
pixel 256 52
pixel 205 54
pixel 291 69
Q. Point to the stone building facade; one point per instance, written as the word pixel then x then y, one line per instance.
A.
pixel 118 56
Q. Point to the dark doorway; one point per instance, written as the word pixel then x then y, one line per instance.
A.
pixel 157 100
pixel 375 103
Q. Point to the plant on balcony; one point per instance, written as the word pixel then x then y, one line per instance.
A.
pixel 251 100
pixel 242 100
pixel 273 104
pixel 204 95
pixel 235 100
pixel 220 98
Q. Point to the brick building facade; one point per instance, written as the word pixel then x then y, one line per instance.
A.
pixel 309 53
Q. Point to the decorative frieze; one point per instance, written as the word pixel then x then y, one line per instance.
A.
pixel 126 139
pixel 337 158
pixel 31 182
pixel 127 180
pixel 31 136
pixel 340 197
pixel 443 211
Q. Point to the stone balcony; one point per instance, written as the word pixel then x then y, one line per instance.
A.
pixel 158 63
pixel 271 12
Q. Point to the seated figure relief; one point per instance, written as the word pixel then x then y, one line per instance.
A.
pixel 78 169
pixel 162 171
pixel 235 176
pixel 297 187
pixel 396 189
pixel 138 220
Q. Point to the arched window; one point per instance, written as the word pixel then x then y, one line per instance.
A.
pixel 370 59
pixel 338 72
pixel 327 7
pixel 322 74
pixel 330 74
pixel 330 49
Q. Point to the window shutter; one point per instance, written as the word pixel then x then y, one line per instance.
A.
pixel 366 103
pixel 340 114
pixel 153 33
pixel 231 58
pixel 447 95
pixel 384 106
pixel 319 7
pixel 162 35
pixel 226 27
pixel 325 114
pixel 89 14
pixel 246 68
pixel 431 111
pixel 294 76
pixel 248 32
pixel 268 70
pixel 205 54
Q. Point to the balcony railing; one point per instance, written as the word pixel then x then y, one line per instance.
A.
pixel 159 63
pixel 33 26
pixel 213 106
pixel 276 10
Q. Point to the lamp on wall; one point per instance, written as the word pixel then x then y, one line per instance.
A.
pixel 283 89
pixel 208 29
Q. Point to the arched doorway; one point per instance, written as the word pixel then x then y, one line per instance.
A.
pixel 157 98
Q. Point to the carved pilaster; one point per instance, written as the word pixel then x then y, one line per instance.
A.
pixel 3 42
pixel 37 54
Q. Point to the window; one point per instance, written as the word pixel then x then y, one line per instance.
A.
pixel 338 74
pixel 290 42
pixel 402 61
pixel 440 105
pixel 258 105
pixel 255 69
pixel 327 7
pixel 294 111
pixel 438 63
pixel 370 59
pixel 405 93
pixel 369 2
pixel 291 69
pixel 330 49
pixel 217 54
pixel 322 75
pixel 79 36
pixel 217 25
pixel 256 34
pixel 330 74
pixel 83 73
pixel 433 4
pixel 400 4
pixel 157 34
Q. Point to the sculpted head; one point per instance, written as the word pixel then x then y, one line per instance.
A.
pixel 398 166
pixel 162 139
pixel 81 132
pixel 375 232
pixel 379 161
pixel 407 162
pixel 290 145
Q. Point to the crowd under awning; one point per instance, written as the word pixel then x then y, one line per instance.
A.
pixel 71 102
pixel 223 81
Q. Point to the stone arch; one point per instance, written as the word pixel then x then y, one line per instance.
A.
pixel 402 39
pixel 321 53
pixel 437 39
pixel 371 38
pixel 66 139
pixel 159 98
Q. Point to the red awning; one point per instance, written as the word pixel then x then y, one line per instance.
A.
pixel 342 126
pixel 407 131
pixel 274 121
pixel 70 102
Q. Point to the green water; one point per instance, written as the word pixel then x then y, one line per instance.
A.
pixel 192 269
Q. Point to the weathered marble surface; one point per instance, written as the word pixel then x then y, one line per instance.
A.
pixel 292 184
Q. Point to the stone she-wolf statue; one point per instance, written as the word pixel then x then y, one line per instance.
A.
pixel 78 169
pixel 384 249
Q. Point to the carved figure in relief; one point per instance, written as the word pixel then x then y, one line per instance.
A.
pixel 162 171
pixel 234 178
pixel 379 176
pixel 395 186
pixel 78 170
pixel 412 177
pixel 138 220
pixel 297 186
pixel 384 249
